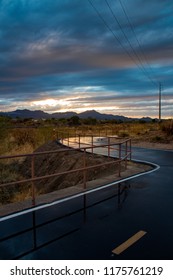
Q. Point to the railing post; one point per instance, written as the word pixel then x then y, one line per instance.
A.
pixel 33 183
pixel 84 172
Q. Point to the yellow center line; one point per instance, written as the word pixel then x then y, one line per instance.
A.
pixel 118 250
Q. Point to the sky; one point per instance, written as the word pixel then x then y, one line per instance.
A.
pixel 76 55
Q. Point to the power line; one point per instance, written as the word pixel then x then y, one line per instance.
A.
pixel 110 30
pixel 135 36
pixel 134 51
pixel 126 51
pixel 131 46
pixel 142 52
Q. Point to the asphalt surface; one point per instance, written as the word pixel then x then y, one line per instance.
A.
pixel 91 227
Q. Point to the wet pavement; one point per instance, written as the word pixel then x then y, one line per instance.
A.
pixel 91 226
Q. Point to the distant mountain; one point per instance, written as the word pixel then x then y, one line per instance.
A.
pixel 91 114
pixel 99 116
pixel 38 114
pixel 64 115
pixel 146 119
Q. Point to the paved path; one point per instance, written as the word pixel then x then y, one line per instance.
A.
pixel 145 206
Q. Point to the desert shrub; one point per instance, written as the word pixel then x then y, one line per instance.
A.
pixel 4 136
pixel 3 133
pixel 5 195
pixel 45 134
pixel 32 136
pixel 4 141
pixel 156 139
pixel 139 128
pixel 123 134
pixel 10 173
pixel 167 127
pixel 23 136
pixel 6 175
pixel 13 194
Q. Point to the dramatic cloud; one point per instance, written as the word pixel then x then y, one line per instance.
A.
pixel 77 55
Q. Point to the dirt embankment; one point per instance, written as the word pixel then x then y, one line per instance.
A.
pixel 66 159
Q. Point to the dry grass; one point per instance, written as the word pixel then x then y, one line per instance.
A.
pixel 167 127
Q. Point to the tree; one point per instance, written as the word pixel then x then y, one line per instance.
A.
pixel 74 120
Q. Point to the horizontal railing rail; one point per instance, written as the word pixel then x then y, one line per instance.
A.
pixel 89 147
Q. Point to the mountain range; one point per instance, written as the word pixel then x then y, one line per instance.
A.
pixel 38 114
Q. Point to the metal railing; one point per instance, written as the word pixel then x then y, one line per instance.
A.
pixel 33 226
pixel 122 148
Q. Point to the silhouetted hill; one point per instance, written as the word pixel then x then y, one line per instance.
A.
pixel 38 114
pixel 64 115
pixel 99 116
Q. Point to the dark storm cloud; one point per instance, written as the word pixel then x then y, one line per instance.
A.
pixel 49 48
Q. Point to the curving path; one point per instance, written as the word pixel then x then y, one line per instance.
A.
pixel 110 217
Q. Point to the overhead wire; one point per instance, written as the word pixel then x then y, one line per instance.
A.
pixel 135 36
pixel 113 33
pixel 129 42
pixel 118 40
pixel 163 96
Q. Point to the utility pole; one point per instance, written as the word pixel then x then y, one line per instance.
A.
pixel 160 105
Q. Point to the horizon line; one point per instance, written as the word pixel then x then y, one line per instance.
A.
pixel 59 112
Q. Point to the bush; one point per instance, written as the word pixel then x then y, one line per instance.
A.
pixel 23 136
pixel 156 139
pixel 167 127
pixel 123 134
